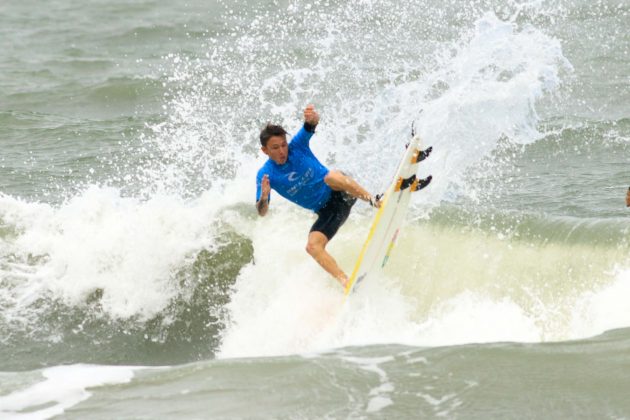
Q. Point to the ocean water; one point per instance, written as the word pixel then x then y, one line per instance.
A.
pixel 137 281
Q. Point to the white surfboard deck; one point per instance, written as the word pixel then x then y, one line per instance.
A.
pixel 387 221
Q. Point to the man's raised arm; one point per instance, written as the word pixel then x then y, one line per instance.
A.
pixel 311 117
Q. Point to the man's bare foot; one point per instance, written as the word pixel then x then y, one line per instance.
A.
pixel 375 201
pixel 343 279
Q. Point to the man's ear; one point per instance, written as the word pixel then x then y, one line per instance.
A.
pixel 264 150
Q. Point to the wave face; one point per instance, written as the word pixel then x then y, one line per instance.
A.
pixel 128 234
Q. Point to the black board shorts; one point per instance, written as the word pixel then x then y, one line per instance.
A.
pixel 333 214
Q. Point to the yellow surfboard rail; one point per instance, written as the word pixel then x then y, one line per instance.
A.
pixel 357 265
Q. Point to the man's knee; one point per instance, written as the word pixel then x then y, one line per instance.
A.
pixel 314 248
pixel 316 243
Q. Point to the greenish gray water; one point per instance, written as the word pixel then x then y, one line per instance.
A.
pixel 137 281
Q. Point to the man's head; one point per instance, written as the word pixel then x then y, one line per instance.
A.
pixel 273 139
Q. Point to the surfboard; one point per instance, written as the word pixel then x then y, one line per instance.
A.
pixel 389 218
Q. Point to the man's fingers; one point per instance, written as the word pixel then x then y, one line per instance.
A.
pixel 309 110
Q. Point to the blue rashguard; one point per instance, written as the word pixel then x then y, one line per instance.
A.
pixel 301 178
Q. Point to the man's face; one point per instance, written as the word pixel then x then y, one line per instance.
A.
pixel 277 149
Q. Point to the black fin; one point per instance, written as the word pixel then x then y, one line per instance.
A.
pixel 424 154
pixel 406 183
pixel 423 183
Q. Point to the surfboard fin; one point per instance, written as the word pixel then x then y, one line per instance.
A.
pixel 421 183
pixel 413 183
pixel 404 183
pixel 421 155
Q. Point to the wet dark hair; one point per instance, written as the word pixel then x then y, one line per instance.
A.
pixel 269 131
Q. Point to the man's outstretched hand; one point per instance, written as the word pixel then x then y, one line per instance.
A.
pixel 310 115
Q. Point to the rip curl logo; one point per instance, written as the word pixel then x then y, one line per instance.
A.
pixel 299 180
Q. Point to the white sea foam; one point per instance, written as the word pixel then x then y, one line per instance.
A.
pixel 484 87
pixel 62 388
pixel 125 247
pixel 475 319
pixel 604 308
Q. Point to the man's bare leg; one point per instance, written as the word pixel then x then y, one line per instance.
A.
pixel 337 181
pixel 317 241
pixel 316 247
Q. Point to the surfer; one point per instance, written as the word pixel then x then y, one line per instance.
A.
pixel 628 197
pixel 296 174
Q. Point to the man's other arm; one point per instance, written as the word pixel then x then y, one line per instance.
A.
pixel 262 205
